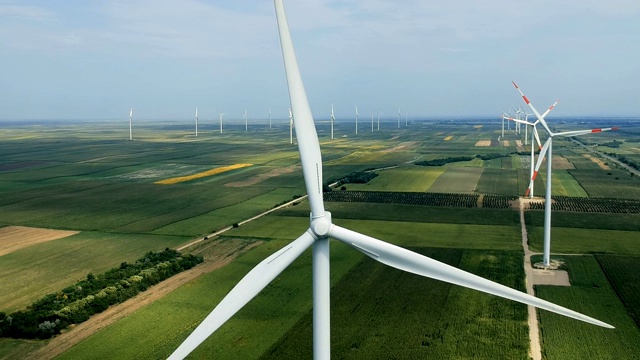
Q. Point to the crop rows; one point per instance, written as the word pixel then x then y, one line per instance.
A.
pixel 581 204
pixel 625 279
pixel 497 201
pixel 405 198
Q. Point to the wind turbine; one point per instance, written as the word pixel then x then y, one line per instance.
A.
pixel 379 120
pixel 246 127
pixel 371 122
pixel 269 118
pixel 398 118
pixel 406 119
pixel 221 113
pixel 131 124
pixel 534 132
pixel 333 118
pixel 290 126
pixel 547 149
pixel 321 229
pixel 196 121
pixel 357 119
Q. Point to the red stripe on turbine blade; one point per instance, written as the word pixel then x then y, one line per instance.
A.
pixel 535 174
pixel 525 99
pixel 596 130
pixel 615 128
pixel 528 191
pixel 514 84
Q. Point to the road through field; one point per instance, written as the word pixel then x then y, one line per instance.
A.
pixel 534 331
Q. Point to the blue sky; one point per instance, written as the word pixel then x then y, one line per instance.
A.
pixel 95 59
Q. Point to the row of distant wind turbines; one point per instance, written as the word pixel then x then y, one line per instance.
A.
pixel 322 228
pixel 545 151
pixel 291 122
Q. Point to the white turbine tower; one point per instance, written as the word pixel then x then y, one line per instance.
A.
pixel 246 126
pixel 196 121
pixel 269 118
pixel 406 119
pixel 290 126
pixel 131 124
pixel 398 118
pixel 357 119
pixel 321 229
pixel 221 113
pixel 379 120
pixel 333 118
pixel 547 149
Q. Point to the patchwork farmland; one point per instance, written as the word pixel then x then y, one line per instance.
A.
pixel 100 192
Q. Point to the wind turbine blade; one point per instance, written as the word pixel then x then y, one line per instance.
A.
pixel 308 144
pixel 584 132
pixel 535 133
pixel 540 117
pixel 256 280
pixel 412 262
pixel 550 108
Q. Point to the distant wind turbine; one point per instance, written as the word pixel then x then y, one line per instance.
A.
pixel 221 113
pixel 246 126
pixel 398 118
pixel 379 120
pixel 406 121
pixel 131 124
pixel 371 122
pixel 196 121
pixel 333 118
pixel 269 118
pixel 357 119
pixel 290 126
pixel 321 228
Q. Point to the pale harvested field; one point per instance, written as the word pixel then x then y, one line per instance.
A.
pixel 14 238
pixel 262 177
pixel 400 146
pixel 505 143
pixel 448 138
pixel 483 143
pixel 562 163
pixel 551 277
pixel 600 163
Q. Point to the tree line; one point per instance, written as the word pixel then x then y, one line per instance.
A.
pixel 54 312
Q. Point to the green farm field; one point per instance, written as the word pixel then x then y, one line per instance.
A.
pixel 87 177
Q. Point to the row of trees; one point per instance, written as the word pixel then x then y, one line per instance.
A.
pixel 441 162
pixel 407 198
pixel 498 201
pixel 356 177
pixel 591 204
pixel 54 312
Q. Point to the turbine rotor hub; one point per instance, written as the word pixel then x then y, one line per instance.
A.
pixel 321 226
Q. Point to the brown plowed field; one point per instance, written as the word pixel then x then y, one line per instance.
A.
pixel 13 238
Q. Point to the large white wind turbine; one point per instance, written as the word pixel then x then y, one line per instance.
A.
pixel 357 119
pixel 333 118
pixel 196 121
pixel 379 120
pixel 322 228
pixel 221 113
pixel 547 149
pixel 131 124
